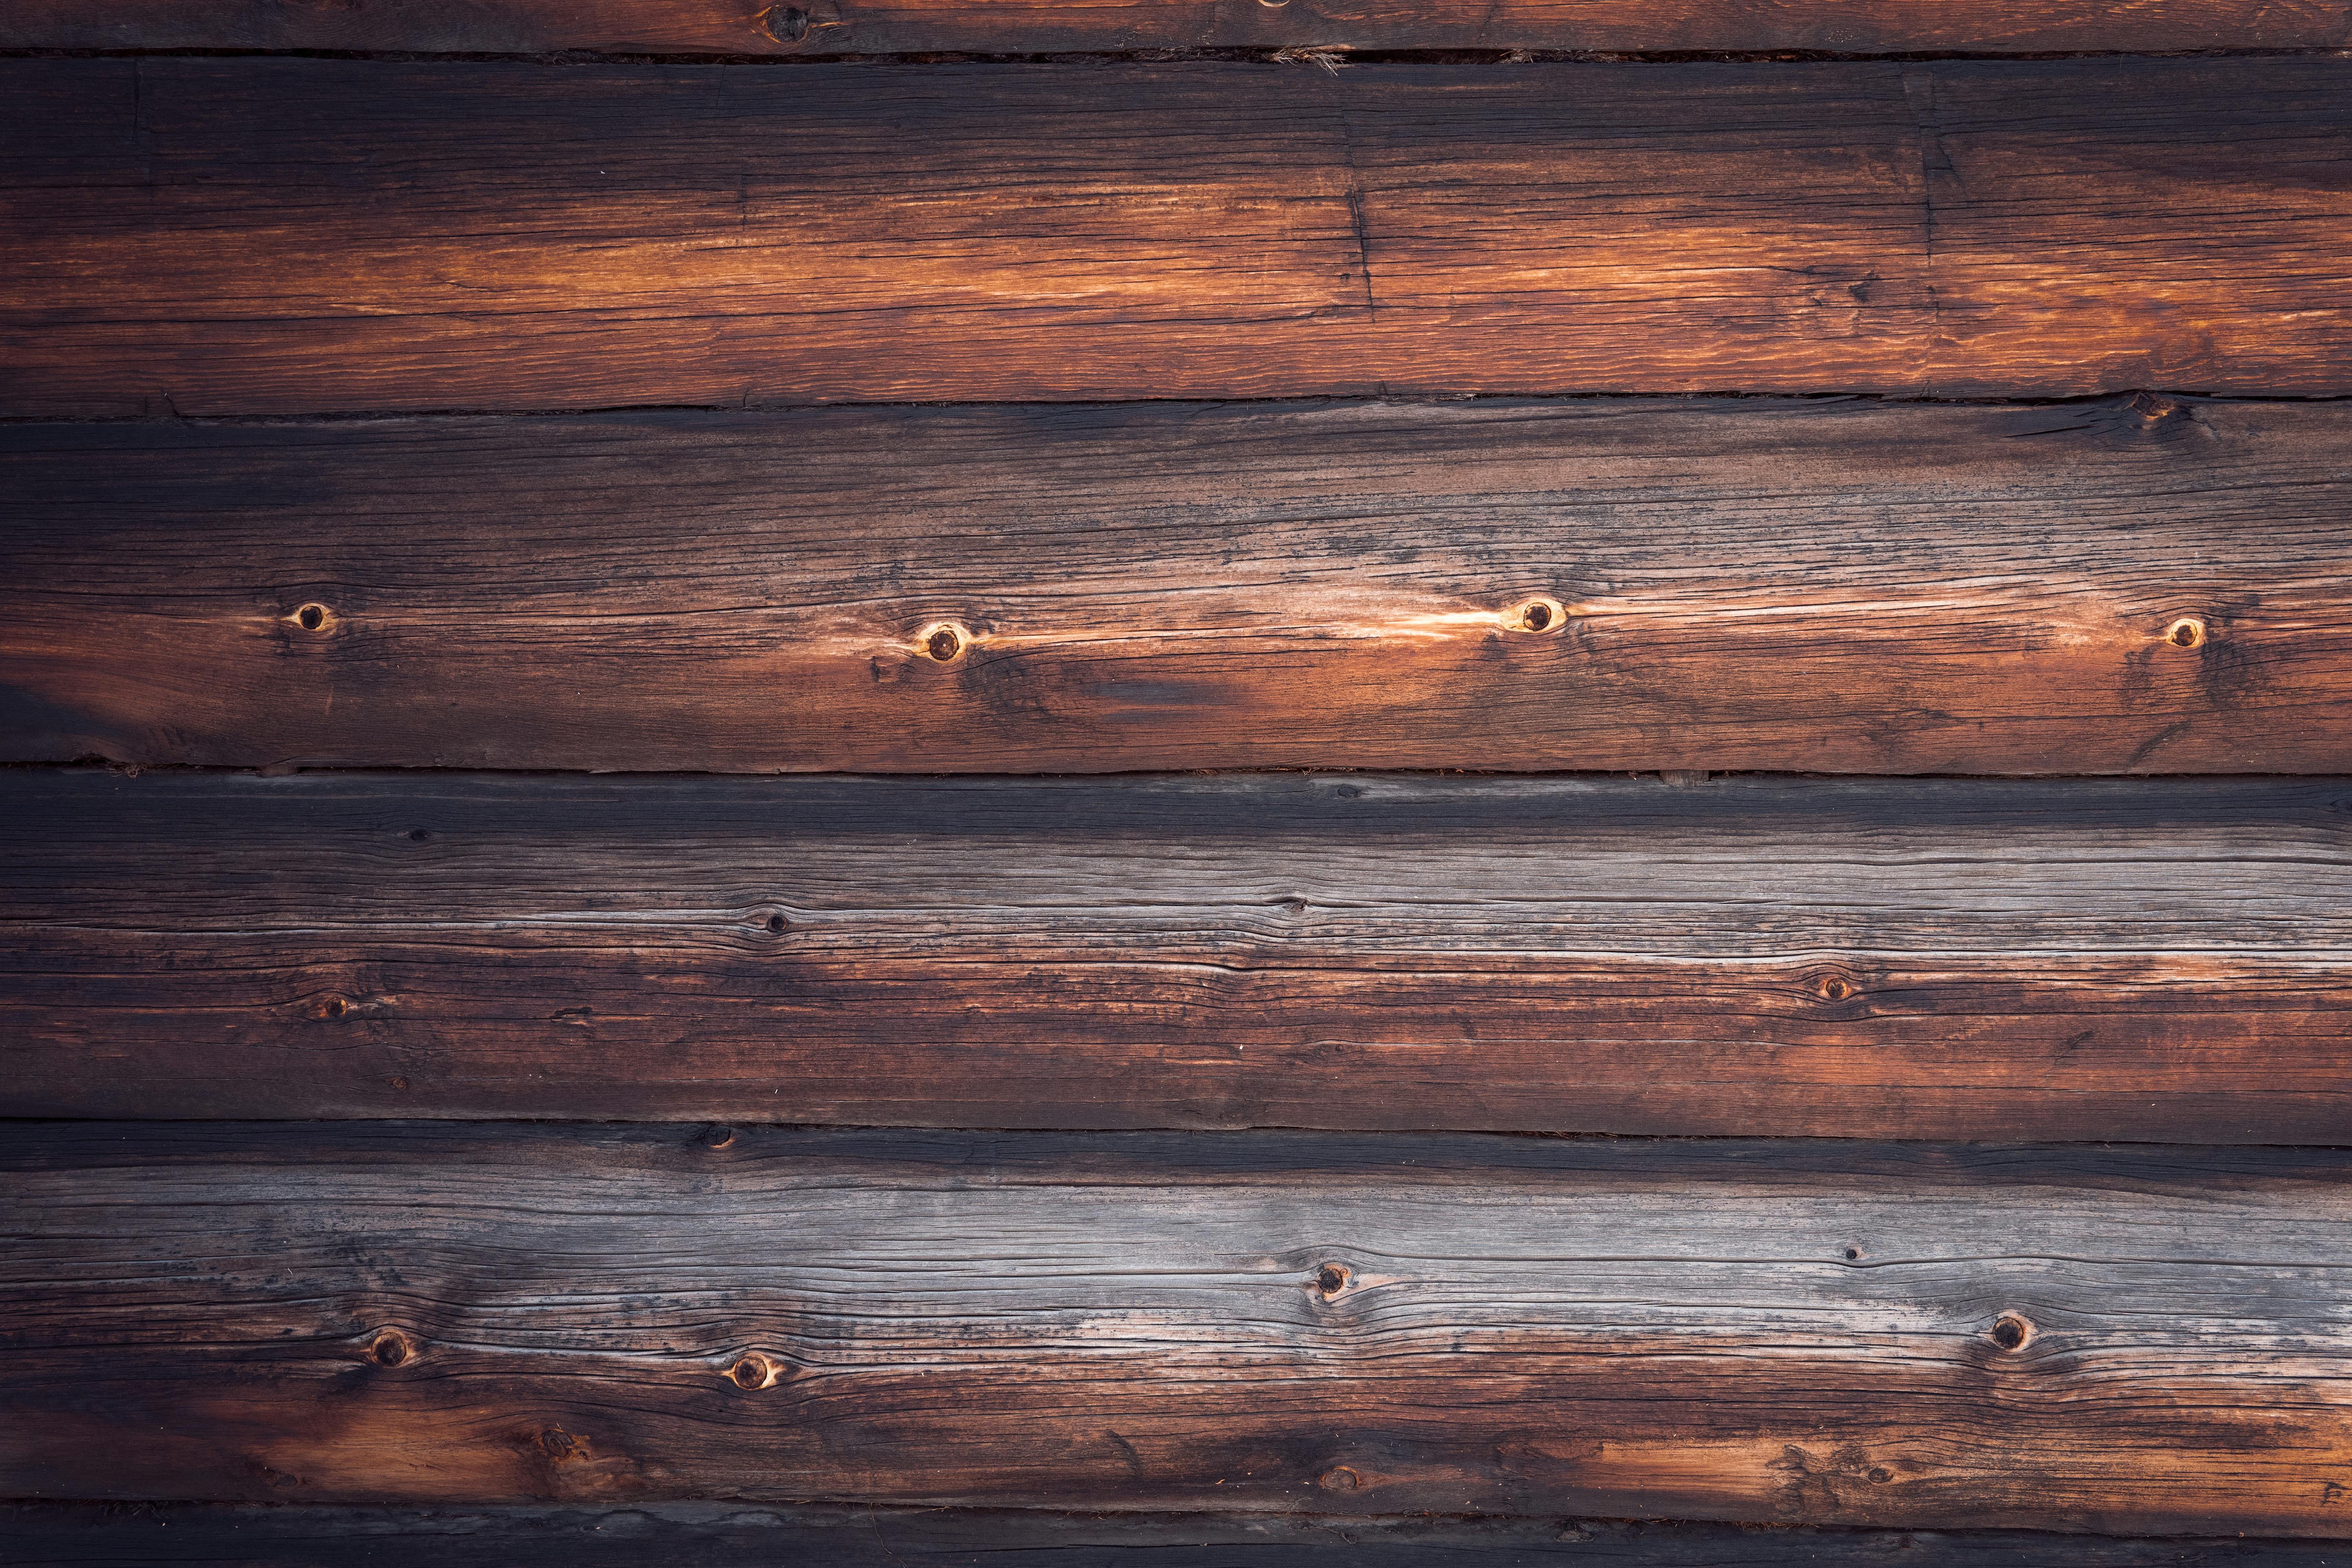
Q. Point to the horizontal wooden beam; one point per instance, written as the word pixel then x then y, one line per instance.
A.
pixel 738 1535
pixel 2136 1343
pixel 247 236
pixel 1938 959
pixel 2152 584
pixel 819 27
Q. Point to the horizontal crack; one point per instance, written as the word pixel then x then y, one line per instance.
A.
pixel 1438 399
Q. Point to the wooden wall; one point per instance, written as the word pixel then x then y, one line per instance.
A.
pixel 1176 783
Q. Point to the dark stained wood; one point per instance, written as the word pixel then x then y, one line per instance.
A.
pixel 1932 959
pixel 726 1535
pixel 1852 587
pixel 818 27
pixel 2140 1343
pixel 255 235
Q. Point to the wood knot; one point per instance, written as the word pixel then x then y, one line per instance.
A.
pixel 391 1348
pixel 1331 1279
pixel 1835 988
pixel 944 641
pixel 2186 632
pixel 2010 1331
pixel 312 618
pixel 1536 614
pixel 777 925
pixel 559 1445
pixel 753 1371
pixel 334 1005
pixel 717 1137
pixel 1340 1479
pixel 787 23
pixel 1854 1255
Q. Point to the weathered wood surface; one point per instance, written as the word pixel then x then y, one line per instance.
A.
pixel 726 1535
pixel 1742 584
pixel 255 235
pixel 1933 959
pixel 819 27
pixel 2141 1342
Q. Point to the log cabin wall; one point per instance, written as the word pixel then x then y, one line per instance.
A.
pixel 1176 781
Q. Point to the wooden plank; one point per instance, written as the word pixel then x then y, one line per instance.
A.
pixel 2132 1342
pixel 724 1535
pixel 1940 959
pixel 1739 584
pixel 822 28
pixel 290 235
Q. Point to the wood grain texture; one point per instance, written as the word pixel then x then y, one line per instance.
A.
pixel 1938 959
pixel 269 237
pixel 736 1535
pixel 1743 585
pixel 820 27
pixel 1794 1332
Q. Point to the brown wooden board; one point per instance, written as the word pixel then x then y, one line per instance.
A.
pixel 738 1535
pixel 818 27
pixel 252 236
pixel 1755 584
pixel 1931 959
pixel 2142 1341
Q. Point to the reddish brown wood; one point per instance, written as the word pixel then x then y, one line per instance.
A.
pixel 2148 1340
pixel 1747 585
pixel 1931 959
pixel 269 237
pixel 818 27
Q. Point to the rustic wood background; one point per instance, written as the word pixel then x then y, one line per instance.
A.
pixel 1176 781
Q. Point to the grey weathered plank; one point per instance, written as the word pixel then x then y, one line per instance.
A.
pixel 822 28
pixel 1854 587
pixel 2137 1341
pixel 1945 959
